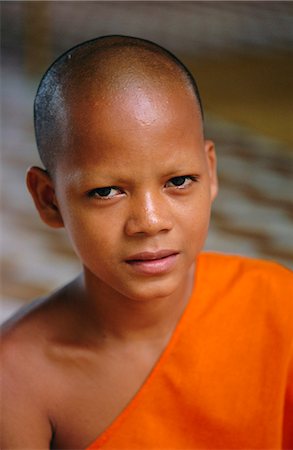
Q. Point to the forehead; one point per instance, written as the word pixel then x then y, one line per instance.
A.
pixel 131 124
pixel 136 105
pixel 135 134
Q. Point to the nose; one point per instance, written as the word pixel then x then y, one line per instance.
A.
pixel 149 215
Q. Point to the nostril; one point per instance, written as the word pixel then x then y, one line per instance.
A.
pixel 147 225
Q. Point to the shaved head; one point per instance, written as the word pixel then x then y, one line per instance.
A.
pixel 93 72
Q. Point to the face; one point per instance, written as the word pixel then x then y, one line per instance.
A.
pixel 136 190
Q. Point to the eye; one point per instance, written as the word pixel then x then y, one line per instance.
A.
pixel 182 181
pixel 104 193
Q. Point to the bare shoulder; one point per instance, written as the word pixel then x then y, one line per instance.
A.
pixel 60 372
pixel 28 374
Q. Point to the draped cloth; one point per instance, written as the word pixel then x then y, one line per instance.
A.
pixel 225 379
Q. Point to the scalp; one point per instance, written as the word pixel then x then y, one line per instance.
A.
pixel 99 68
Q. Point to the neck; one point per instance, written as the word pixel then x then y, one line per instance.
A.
pixel 115 316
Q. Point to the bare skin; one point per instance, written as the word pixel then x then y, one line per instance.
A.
pixel 76 359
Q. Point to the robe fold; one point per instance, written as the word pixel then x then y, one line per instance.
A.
pixel 225 379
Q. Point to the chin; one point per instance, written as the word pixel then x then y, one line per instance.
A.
pixel 153 290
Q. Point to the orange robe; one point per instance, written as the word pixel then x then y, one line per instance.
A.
pixel 225 380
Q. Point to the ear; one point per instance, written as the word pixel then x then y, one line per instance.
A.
pixel 41 188
pixel 212 167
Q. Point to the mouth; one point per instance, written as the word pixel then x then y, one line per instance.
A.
pixel 153 263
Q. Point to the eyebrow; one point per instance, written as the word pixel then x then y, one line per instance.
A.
pixel 109 177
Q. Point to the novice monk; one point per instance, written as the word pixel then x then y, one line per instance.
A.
pixel 154 346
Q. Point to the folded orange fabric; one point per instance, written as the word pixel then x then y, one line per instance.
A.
pixel 225 380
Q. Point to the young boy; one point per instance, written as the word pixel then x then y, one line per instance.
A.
pixel 155 345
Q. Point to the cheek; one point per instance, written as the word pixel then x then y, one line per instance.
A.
pixel 195 218
pixel 197 209
pixel 91 233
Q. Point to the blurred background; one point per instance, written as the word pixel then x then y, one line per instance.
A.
pixel 241 54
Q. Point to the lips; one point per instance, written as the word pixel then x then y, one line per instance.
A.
pixel 153 263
